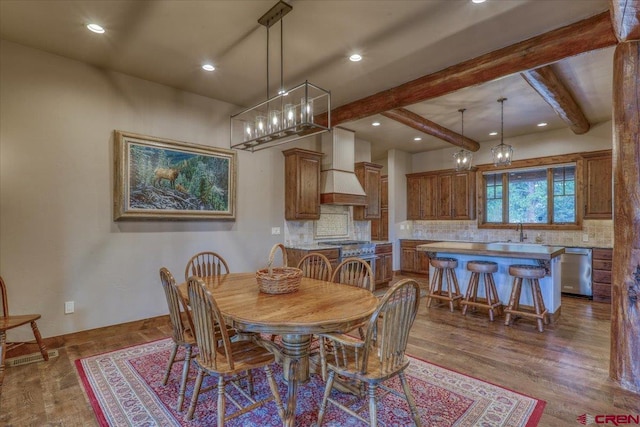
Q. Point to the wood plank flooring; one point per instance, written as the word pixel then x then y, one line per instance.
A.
pixel 567 365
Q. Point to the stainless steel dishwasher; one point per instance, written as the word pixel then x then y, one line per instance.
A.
pixel 576 271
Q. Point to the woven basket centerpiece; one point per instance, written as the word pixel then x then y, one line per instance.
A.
pixel 278 280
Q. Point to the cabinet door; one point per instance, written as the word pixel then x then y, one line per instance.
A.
pixel 384 224
pixel 429 197
pixel 445 198
pixel 599 187
pixel 463 195
pixel 369 176
pixel 302 184
pixel 413 197
pixel 422 263
pixel 384 192
pixel 407 260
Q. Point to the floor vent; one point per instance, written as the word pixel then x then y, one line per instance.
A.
pixel 29 358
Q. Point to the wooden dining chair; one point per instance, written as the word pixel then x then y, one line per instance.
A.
pixel 220 357
pixel 182 332
pixel 315 266
pixel 373 361
pixel 13 321
pixel 354 272
pixel 205 264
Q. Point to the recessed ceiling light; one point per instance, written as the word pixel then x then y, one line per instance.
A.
pixel 355 57
pixel 493 133
pixel 208 67
pixel 417 138
pixel 95 28
pixel 478 1
pixel 375 124
pixel 541 124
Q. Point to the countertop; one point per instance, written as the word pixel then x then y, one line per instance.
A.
pixel 512 250
pixel 311 247
pixel 572 245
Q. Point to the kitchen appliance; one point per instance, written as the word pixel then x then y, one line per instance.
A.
pixel 364 250
pixel 576 271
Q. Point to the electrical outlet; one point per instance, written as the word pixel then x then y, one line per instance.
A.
pixel 275 231
pixel 69 307
pixel 585 237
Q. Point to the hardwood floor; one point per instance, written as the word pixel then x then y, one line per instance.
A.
pixel 567 365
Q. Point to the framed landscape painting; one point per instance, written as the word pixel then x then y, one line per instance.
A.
pixel 159 178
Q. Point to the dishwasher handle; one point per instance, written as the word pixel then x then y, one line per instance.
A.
pixel 578 251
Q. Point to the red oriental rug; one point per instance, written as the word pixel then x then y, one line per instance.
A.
pixel 125 389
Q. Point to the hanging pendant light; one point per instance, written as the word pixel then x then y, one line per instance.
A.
pixel 463 157
pixel 502 153
pixel 289 115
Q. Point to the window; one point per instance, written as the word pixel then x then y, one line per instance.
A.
pixel 531 196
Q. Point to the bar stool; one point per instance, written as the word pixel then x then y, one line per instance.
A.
pixel 525 273
pixel 482 270
pixel 444 273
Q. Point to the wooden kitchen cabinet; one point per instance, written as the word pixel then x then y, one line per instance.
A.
pixel 380 227
pixel 294 255
pixel 601 262
pixel 598 186
pixel 441 195
pixel 369 176
pixel 413 261
pixel 384 264
pixel 302 184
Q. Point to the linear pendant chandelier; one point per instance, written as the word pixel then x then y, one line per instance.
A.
pixel 287 116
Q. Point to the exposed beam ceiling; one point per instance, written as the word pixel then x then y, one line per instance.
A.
pixel 418 122
pixel 547 83
pixel 586 35
pixel 626 19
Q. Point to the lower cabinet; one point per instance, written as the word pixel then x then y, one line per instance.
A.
pixel 384 264
pixel 601 263
pixel 413 261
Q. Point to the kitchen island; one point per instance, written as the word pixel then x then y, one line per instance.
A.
pixel 506 254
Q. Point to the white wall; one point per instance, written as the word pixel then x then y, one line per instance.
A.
pixel 398 164
pixel 58 241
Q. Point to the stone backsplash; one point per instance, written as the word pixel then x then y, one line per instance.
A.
pixel 599 233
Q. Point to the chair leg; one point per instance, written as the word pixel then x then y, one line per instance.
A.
pixel 373 413
pixel 185 374
pixel 36 334
pixel 221 402
pixel 274 391
pixel 3 351
pixel 410 400
pixel 172 358
pixel 436 284
pixel 471 291
pixel 325 398
pixel 513 300
pixel 323 359
pixel 194 396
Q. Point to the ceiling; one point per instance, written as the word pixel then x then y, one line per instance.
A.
pixel 168 41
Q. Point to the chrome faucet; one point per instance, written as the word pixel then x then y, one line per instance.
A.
pixel 522 235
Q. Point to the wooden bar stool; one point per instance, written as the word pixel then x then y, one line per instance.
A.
pixel 525 273
pixel 482 270
pixel 444 275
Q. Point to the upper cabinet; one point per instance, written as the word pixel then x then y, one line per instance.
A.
pixel 369 175
pixel 598 186
pixel 302 184
pixel 441 195
pixel 380 227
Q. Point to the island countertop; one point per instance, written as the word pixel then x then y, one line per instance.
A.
pixel 510 250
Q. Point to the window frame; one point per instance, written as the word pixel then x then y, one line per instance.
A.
pixel 541 163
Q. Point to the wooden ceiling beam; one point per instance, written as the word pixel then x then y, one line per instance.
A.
pixel 418 122
pixel 625 15
pixel 547 83
pixel 589 34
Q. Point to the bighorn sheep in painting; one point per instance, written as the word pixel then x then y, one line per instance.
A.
pixel 169 174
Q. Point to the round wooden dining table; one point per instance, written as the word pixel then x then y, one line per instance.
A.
pixel 316 307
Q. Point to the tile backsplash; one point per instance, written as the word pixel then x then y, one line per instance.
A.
pixel 336 222
pixel 599 233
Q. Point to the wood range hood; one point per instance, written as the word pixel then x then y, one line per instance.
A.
pixel 339 184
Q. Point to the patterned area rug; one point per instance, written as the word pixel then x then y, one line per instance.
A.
pixel 125 389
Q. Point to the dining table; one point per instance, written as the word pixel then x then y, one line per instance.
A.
pixel 316 307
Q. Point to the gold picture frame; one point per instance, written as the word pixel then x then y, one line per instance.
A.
pixel 163 179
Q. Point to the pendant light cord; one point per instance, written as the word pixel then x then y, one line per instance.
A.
pixel 281 57
pixel 267 62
